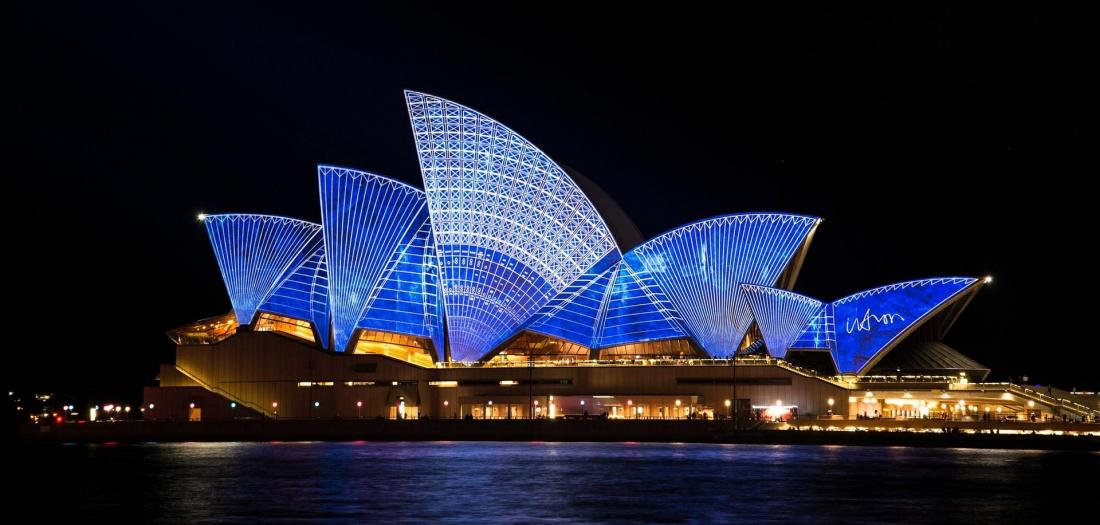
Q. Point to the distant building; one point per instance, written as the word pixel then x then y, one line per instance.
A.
pixel 511 287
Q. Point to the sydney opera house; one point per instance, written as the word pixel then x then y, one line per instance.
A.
pixel 511 287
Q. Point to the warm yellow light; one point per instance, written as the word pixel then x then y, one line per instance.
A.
pixel 677 402
pixel 988 279
pixel 1031 404
pixel 908 395
pixel 868 394
pixel 1006 396
pixel 778 402
pixel 728 403
pixel 202 217
pixel 830 401
pixel 508 382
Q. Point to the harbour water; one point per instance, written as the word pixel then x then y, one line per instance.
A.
pixel 480 482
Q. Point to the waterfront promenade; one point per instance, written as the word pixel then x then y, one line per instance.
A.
pixel 935 433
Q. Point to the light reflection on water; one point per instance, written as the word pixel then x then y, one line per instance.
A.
pixel 452 482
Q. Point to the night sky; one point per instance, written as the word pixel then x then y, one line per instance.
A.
pixel 934 142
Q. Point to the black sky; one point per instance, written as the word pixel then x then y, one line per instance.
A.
pixel 935 141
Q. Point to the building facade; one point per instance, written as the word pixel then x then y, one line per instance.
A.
pixel 511 287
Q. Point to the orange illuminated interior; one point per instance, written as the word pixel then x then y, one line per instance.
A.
pixel 398 346
pixel 269 322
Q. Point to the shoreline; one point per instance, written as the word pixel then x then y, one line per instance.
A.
pixel 672 431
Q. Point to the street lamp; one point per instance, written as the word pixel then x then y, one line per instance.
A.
pixel 630 403
pixel 728 404
pixel 359 409
pixel 446 403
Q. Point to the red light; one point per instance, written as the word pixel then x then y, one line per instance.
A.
pixel 60 419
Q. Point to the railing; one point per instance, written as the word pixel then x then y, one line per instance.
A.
pixel 659 361
pixel 835 380
pixel 222 392
pixel 1028 393
pixel 909 379
pixel 200 338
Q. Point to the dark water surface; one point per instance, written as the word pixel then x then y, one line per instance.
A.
pixel 552 483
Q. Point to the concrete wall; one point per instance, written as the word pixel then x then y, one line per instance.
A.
pixel 173 403
pixel 257 369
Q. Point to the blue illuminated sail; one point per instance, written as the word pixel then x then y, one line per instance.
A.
pixel 637 310
pixel 575 312
pixel 304 293
pixel 701 267
pixel 869 322
pixel 406 300
pixel 256 253
pixel 512 229
pixel 780 314
pixel 820 331
pixel 366 218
